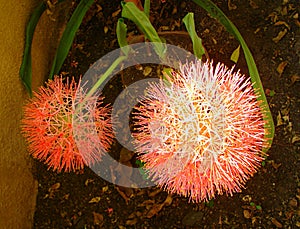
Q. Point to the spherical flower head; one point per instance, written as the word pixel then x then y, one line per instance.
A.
pixel 58 118
pixel 202 132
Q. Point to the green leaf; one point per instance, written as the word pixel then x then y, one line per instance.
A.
pixel 215 12
pixel 167 76
pixel 131 12
pixel 121 35
pixel 189 23
pixel 139 163
pixel 210 203
pixel 235 55
pixel 272 93
pixel 68 36
pixel 258 207
pixel 142 171
pixel 26 68
pixel 147 8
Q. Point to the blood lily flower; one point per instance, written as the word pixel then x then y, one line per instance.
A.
pixel 201 133
pixel 59 118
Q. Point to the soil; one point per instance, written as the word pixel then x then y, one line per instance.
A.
pixel 271 199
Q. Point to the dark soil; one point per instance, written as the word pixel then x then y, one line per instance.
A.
pixel 271 199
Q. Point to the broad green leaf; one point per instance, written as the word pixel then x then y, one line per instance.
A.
pixel 215 12
pixel 189 23
pixel 68 36
pixel 235 55
pixel 131 12
pixel 26 68
pixel 121 35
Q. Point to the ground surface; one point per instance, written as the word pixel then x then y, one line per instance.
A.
pixel 271 199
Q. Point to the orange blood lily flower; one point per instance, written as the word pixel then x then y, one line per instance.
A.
pixel 59 118
pixel 202 133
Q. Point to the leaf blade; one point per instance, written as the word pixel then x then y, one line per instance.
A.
pixel 69 35
pixel 25 71
pixel 131 12
pixel 147 8
pixel 121 36
pixel 189 23
pixel 235 55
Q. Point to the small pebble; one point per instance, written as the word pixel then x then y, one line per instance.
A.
pixel 247 214
pixel 147 70
pixel 293 203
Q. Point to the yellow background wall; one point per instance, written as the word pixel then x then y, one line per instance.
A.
pixel 18 189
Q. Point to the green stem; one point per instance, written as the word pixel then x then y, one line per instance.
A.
pixel 106 74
